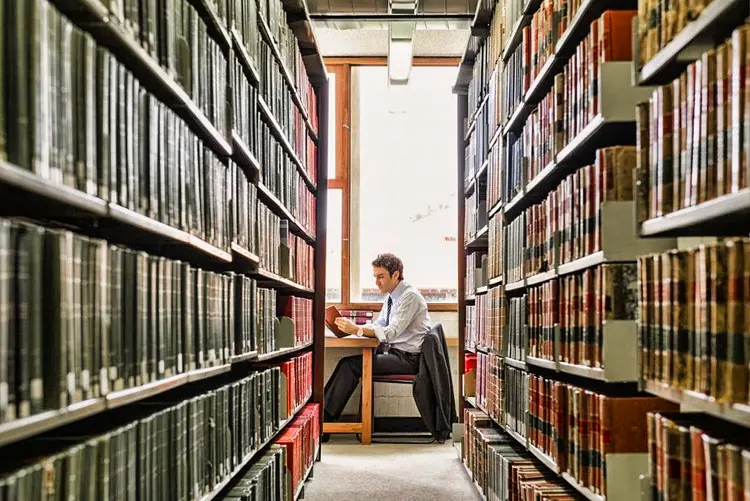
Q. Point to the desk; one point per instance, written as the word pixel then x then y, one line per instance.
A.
pixel 368 345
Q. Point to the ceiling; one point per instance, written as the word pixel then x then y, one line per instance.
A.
pixel 354 28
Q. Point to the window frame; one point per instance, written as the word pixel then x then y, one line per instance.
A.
pixel 340 68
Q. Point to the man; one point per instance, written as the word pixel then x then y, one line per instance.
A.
pixel 402 324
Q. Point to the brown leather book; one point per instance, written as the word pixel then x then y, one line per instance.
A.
pixel 331 315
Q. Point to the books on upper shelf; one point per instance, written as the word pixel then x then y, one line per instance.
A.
pixel 515 242
pixel 694 308
pixel 300 310
pixel 476 321
pixel 495 247
pixel 122 318
pixel 245 209
pixel 692 138
pixel 476 271
pixel 515 335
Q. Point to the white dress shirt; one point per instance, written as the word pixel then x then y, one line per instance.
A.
pixel 409 320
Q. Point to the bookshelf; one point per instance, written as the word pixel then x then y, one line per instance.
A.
pixel 598 190
pixel 159 222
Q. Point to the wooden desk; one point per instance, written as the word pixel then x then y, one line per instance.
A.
pixel 368 345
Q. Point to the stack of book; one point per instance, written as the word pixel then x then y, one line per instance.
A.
pixel 515 333
pixel 298 373
pixel 515 249
pixel 543 303
pixel 266 479
pixel 245 210
pixel 497 312
pixel 495 248
pixel 490 384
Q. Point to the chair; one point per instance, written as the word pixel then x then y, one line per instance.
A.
pixel 408 379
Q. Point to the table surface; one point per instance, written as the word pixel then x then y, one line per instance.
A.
pixel 351 342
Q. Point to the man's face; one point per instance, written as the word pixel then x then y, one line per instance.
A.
pixel 385 282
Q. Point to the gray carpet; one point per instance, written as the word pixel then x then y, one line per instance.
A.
pixel 349 471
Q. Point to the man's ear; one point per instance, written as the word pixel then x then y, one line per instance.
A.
pixel 396 275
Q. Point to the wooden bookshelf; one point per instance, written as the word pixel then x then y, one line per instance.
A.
pixel 49 204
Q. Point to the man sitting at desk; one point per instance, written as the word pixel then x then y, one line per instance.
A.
pixel 402 324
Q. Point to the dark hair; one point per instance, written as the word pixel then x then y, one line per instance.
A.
pixel 391 263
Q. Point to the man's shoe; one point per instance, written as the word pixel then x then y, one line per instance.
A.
pixel 325 438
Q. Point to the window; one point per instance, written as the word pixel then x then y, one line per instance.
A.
pixel 403 179
pixel 331 126
pixel 334 240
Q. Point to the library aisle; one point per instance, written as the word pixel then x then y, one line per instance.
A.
pixel 406 472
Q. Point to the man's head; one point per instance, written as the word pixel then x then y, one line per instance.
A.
pixel 388 271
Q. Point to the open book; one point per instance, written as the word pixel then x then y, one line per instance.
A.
pixel 331 315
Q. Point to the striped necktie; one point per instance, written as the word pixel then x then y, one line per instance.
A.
pixel 386 345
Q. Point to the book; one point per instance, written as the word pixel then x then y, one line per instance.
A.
pixel 332 313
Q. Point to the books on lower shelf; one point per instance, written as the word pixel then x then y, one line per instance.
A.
pixel 265 479
pixel 516 404
pixel 692 132
pixel 579 429
pixel 692 455
pixel 187 447
pixel 489 394
pixel 502 468
pixel 694 306
pixel 300 442
pixel 476 321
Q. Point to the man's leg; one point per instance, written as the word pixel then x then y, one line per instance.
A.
pixel 395 363
pixel 341 385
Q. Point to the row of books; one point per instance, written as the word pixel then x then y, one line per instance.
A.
pixel 475 214
pixel 490 336
pixel 104 135
pixel 246 209
pixel 272 476
pixel 516 403
pixel 117 318
pixel 174 35
pixel 515 249
pixel 515 332
pixel 489 388
pixel 567 225
pixel 278 96
pixel 510 171
pixel 514 83
pixel 573 100
pixel 512 12
pixel 278 172
pixel 659 22
pixel 299 373
pixel 495 255
pixel 178 449
pixel 476 271
pixel 300 440
pixel 300 310
pixel 692 139
pixel 246 122
pixel 581 304
pixel 265 480
pixel 476 321
pixel 693 455
pixel 580 429
pixel 694 307
pixel 503 469
pixel 480 78
pixel 495 174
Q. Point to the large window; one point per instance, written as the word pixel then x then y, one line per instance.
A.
pixel 399 182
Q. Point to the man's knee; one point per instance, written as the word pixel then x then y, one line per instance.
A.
pixel 352 364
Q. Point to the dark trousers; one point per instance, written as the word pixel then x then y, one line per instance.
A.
pixel 348 372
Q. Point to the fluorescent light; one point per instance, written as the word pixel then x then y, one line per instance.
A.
pixel 399 61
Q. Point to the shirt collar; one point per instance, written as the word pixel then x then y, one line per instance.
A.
pixel 398 291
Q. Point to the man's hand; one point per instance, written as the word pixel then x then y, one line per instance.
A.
pixel 346 325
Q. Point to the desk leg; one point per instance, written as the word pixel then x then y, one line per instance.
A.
pixel 366 396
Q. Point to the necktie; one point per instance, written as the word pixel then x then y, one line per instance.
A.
pixel 386 345
pixel 388 311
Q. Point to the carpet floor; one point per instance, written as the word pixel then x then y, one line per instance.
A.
pixel 349 471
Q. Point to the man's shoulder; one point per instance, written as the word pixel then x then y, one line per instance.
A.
pixel 411 291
